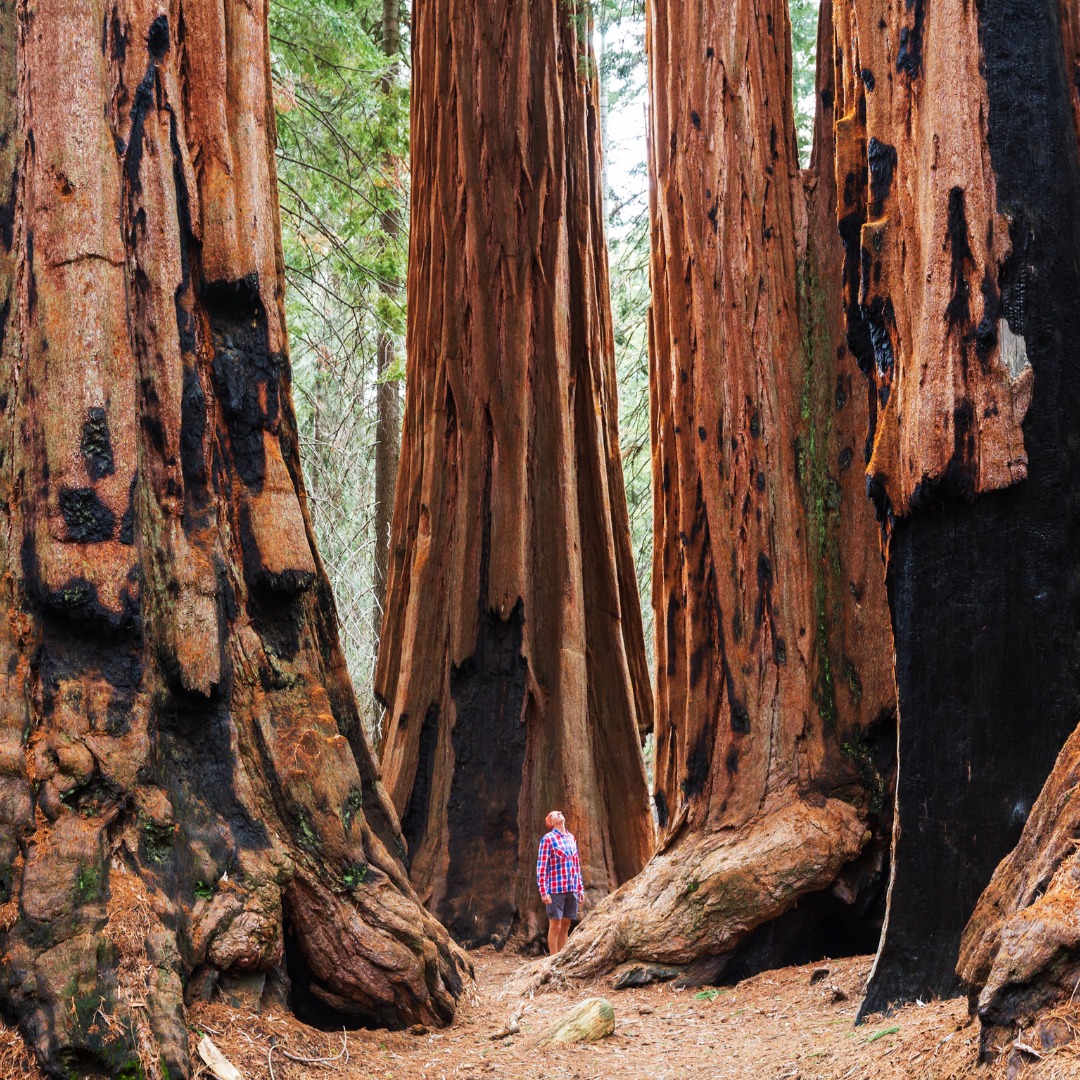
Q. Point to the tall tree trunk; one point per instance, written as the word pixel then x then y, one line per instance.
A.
pixel 186 796
pixel 387 391
pixel 1020 953
pixel 956 161
pixel 512 659
pixel 774 726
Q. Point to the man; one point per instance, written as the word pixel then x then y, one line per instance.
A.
pixel 558 874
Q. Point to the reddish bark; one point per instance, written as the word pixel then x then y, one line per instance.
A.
pixel 512 660
pixel 954 138
pixel 914 171
pixel 774 687
pixel 178 724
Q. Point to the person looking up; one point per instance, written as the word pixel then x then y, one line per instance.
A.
pixel 558 875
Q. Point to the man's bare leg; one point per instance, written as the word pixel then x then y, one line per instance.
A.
pixel 558 930
pixel 564 932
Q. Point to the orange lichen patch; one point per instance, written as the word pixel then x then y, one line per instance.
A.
pixel 927 248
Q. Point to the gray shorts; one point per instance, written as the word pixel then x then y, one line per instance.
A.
pixel 563 906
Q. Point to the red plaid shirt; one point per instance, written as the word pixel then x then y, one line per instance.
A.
pixel 558 869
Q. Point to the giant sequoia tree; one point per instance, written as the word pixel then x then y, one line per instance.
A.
pixel 179 743
pixel 957 169
pixel 1020 953
pixel 774 724
pixel 512 661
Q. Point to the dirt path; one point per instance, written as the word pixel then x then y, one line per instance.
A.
pixel 790 1024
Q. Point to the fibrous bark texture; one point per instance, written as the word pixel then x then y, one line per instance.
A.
pixel 919 202
pixel 774 683
pixel 955 158
pixel 186 796
pixel 512 659
pixel 1020 952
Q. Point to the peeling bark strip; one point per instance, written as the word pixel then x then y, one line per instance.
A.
pixel 512 659
pixel 931 316
pixel 176 720
pixel 961 288
pixel 773 672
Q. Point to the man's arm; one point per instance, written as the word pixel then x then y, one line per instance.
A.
pixel 541 869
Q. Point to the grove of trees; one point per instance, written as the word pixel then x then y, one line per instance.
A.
pixel 289 515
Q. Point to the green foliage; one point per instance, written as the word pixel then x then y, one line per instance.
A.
pixel 342 116
pixel 204 890
pixel 355 875
pixel 630 299
pixel 804 23
pixel 620 38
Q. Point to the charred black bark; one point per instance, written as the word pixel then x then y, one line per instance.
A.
pixel 488 691
pixel 985 596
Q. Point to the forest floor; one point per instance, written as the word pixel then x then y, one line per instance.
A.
pixel 790 1024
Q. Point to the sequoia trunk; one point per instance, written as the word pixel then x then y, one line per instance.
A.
pixel 774 728
pixel 1020 953
pixel 186 796
pixel 957 167
pixel 512 658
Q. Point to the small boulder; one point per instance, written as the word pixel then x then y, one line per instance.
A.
pixel 593 1019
